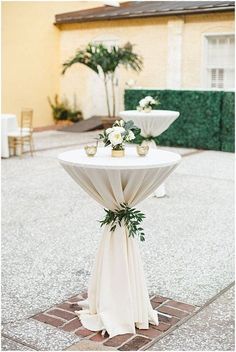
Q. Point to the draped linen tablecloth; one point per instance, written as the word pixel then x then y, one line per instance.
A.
pixel 117 295
pixel 152 124
pixel 8 124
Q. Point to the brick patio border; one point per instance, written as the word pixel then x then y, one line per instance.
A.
pixel 171 314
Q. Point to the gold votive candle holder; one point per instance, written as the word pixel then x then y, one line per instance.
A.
pixel 142 150
pixel 90 150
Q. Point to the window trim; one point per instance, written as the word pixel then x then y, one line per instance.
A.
pixel 204 57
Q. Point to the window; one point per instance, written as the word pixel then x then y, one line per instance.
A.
pixel 220 61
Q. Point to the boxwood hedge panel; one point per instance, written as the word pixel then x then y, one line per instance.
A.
pixel 200 124
pixel 228 122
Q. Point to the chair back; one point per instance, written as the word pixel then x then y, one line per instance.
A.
pixel 27 120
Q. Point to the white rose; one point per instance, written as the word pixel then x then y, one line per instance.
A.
pixel 142 103
pixel 131 135
pixel 118 129
pixel 109 130
pixel 115 138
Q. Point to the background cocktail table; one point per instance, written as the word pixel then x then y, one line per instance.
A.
pixel 152 124
pixel 8 124
pixel 118 299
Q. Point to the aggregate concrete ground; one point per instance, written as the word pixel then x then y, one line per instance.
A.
pixel 50 235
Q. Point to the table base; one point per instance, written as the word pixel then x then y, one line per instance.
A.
pixel 118 300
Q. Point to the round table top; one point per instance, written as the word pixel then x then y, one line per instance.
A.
pixel 152 113
pixel 103 159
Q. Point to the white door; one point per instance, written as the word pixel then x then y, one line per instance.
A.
pixel 96 84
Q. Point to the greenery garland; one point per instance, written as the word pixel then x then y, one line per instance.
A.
pixel 139 139
pixel 150 138
pixel 131 217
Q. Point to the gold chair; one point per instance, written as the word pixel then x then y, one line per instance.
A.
pixel 24 134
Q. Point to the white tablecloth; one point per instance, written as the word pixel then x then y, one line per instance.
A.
pixel 153 124
pixel 8 124
pixel 117 295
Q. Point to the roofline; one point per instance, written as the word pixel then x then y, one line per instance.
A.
pixel 96 18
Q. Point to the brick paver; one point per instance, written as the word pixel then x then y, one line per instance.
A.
pixel 152 333
pixel 72 325
pixel 61 313
pixel 179 305
pixel 118 340
pixel 70 307
pixel 99 337
pixel 161 326
pixel 135 344
pixel 49 320
pixel 171 312
pixel 84 332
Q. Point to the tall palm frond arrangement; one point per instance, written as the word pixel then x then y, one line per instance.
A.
pixel 105 61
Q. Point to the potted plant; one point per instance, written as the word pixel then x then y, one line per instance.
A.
pixel 63 114
pixel 104 61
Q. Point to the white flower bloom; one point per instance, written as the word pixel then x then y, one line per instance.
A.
pixel 109 130
pixel 147 100
pixel 122 123
pixel 118 129
pixel 142 103
pixel 115 138
pixel 131 135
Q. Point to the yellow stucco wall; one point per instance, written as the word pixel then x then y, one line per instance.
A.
pixel 34 49
pixel 150 37
pixel 193 44
pixel 30 55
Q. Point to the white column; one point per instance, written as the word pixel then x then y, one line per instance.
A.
pixel 174 56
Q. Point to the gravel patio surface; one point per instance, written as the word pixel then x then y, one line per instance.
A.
pixel 50 234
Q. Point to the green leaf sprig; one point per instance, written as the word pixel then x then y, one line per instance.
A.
pixel 131 217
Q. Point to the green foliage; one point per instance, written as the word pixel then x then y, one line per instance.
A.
pixel 131 218
pixel 228 122
pixel 97 56
pixel 62 111
pixel 206 117
pixel 100 58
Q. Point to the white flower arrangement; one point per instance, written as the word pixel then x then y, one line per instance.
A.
pixel 120 133
pixel 146 103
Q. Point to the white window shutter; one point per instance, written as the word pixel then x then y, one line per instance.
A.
pixel 220 61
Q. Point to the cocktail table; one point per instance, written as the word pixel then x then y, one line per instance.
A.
pixel 118 298
pixel 8 124
pixel 152 124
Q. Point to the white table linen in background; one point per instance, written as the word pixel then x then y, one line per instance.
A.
pixel 151 123
pixel 8 124
pixel 117 295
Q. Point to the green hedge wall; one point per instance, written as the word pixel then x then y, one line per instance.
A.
pixel 228 122
pixel 206 118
